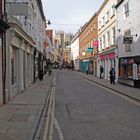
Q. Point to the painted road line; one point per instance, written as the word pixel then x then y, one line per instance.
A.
pixel 52 115
pixel 48 132
pixel 61 137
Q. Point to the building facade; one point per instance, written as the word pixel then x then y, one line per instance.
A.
pixel 75 51
pixel 88 47
pixel 107 56
pixel 3 27
pixel 24 46
pixel 128 40
pixel 67 56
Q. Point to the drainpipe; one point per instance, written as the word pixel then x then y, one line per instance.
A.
pixel 4 17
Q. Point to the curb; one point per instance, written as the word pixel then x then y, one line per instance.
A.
pixel 121 93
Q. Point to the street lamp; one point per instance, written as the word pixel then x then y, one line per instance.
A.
pixel 48 22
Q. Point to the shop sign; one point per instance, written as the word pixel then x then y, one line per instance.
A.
pixel 107 56
pixel 95 44
pixel 127 61
pixel 127 40
pixel 89 49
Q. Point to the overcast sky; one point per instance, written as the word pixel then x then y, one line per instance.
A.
pixel 69 15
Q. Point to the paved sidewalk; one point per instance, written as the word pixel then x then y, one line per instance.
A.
pixel 122 89
pixel 19 118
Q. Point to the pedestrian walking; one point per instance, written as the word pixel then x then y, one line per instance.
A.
pixel 50 68
pixel 112 76
pixel 87 69
pixel 101 71
pixel 40 74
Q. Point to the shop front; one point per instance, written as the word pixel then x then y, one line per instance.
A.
pixel 129 71
pixel 108 60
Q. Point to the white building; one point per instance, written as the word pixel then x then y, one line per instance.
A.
pixel 75 52
pixel 27 32
pixel 128 39
pixel 107 38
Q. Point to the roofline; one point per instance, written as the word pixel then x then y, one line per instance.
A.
pixel 119 3
pixel 41 10
pixel 102 6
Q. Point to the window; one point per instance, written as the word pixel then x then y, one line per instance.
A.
pixel 100 42
pixel 113 35
pixel 13 65
pixel 103 21
pixel 100 24
pixel 126 71
pixel 94 26
pixel 138 71
pixel 126 10
pixel 108 39
pixel 113 10
pixel 126 68
pixel 107 16
pixel 103 42
pixel 127 46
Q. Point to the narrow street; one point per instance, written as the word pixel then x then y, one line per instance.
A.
pixel 85 111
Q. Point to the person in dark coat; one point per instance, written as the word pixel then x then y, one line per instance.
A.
pixel 112 76
pixel 101 71
pixel 41 74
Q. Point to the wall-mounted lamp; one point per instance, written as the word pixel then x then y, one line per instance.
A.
pixel 119 30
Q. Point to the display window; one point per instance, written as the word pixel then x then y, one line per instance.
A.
pixel 138 71
pixel 126 68
pixel 126 71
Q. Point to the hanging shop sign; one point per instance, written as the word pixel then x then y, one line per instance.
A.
pixel 95 44
pixel 127 40
pixel 89 50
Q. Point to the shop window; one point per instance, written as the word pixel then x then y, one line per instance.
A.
pixel 126 71
pixel 13 65
pixel 139 71
pixel 126 68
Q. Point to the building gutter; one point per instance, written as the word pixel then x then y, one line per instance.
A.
pixel 119 3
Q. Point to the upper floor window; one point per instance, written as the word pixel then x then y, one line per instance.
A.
pixel 107 16
pixel 127 46
pixel 94 26
pixel 100 43
pixel 104 43
pixel 103 21
pixel 126 10
pixel 100 24
pixel 108 39
pixel 113 36
pixel 113 10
